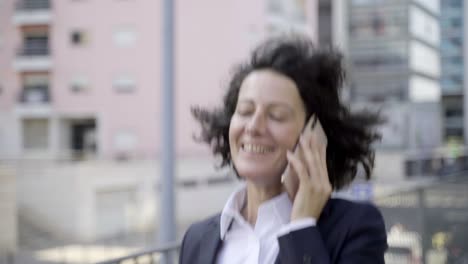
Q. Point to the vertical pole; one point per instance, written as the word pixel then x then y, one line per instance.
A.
pixel 423 221
pixel 167 220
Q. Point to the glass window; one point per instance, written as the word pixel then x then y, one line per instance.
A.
pixel 455 3
pixel 124 84
pixel 79 84
pixel 78 37
pixel 456 22
pixel 35 134
pixel 35 43
pixel 35 88
pixel 124 37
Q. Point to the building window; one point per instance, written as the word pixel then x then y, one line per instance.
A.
pixel 35 43
pixel 275 6
pixel 456 22
pixel 456 3
pixel 35 88
pixel 79 84
pixel 35 134
pixel 125 144
pixel 124 84
pixel 124 37
pixel 78 38
pixel 83 138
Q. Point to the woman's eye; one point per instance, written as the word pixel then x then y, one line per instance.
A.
pixel 243 111
pixel 278 116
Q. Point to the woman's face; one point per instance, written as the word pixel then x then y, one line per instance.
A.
pixel 267 122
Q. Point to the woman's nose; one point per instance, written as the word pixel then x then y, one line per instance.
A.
pixel 256 124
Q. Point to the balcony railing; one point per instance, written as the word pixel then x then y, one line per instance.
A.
pixel 146 256
pixel 32 4
pixel 34 50
pixel 35 94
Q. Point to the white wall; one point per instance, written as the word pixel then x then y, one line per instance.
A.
pixel 74 200
pixel 432 5
pixel 422 89
pixel 424 26
pixel 47 195
pixel 425 123
pixel 394 130
pixel 424 59
pixel 9 136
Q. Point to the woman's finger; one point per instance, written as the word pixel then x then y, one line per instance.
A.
pixel 311 163
pixel 318 142
pixel 298 166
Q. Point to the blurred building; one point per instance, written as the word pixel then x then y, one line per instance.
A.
pixel 392 57
pixel 452 63
pixel 394 62
pixel 394 48
pixel 80 99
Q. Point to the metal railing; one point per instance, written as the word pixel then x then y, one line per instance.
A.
pixel 439 162
pixel 147 256
pixel 34 50
pixel 34 94
pixel 429 222
pixel 32 4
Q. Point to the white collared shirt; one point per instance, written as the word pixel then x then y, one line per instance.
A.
pixel 243 243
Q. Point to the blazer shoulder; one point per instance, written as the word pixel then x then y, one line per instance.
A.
pixel 353 207
pixel 363 217
pixel 192 242
pixel 198 229
pixel 356 214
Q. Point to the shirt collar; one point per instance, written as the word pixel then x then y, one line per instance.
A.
pixel 278 209
pixel 232 208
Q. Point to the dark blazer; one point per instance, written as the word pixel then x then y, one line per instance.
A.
pixel 346 233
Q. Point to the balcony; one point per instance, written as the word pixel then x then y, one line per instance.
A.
pixel 34 100
pixel 37 94
pixel 32 13
pixel 34 56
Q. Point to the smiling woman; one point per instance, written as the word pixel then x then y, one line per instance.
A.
pixel 267 121
pixel 287 135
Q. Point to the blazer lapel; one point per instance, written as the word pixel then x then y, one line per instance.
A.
pixel 211 243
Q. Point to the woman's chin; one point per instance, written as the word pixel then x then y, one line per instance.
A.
pixel 259 177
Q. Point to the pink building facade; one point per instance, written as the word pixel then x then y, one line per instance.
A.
pixel 81 79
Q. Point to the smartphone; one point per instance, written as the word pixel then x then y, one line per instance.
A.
pixel 289 178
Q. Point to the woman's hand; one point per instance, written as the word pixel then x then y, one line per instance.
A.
pixel 307 181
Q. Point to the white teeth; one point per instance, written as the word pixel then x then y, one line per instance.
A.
pixel 256 148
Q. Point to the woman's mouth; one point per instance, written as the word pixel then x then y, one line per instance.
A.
pixel 256 148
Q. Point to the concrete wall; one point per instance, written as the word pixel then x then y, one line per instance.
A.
pixel 86 201
pixel 47 195
pixel 8 230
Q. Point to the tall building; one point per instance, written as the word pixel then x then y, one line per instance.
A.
pixel 80 81
pixel 452 62
pixel 394 61
pixel 394 49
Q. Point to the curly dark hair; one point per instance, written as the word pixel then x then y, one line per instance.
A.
pixel 319 75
